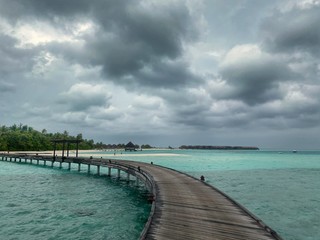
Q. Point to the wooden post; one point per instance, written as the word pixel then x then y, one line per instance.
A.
pixel 37 161
pixel 54 150
pixel 60 165
pixel 89 168
pixel 44 162
pixel 68 146
pixel 118 173
pixel 79 167
pixel 63 145
pixel 77 150
pixel 109 171
pixel 98 169
pixel 69 166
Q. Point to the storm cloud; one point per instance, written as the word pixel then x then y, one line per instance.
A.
pixel 253 75
pixel 294 30
pixel 184 71
pixel 133 41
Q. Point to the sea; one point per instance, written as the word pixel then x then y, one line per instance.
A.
pixel 39 202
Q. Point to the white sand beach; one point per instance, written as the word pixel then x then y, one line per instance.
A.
pixel 99 154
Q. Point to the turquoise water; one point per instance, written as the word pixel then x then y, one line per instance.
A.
pixel 281 188
pixel 43 203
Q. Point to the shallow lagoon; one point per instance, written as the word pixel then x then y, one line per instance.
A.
pixel 281 189
pixel 43 203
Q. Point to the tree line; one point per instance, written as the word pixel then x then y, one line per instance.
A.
pixel 25 138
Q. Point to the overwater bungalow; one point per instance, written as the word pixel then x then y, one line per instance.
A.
pixel 130 147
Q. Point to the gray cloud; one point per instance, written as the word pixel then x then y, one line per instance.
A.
pixel 82 96
pixel 6 87
pixel 179 68
pixel 14 60
pixel 28 9
pixel 253 75
pixel 132 36
pixel 297 29
pixel 144 47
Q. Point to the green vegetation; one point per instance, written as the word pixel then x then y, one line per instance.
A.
pixel 146 146
pixel 24 138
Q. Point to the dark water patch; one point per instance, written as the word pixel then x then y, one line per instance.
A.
pixel 84 212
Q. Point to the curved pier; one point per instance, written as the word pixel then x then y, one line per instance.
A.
pixel 182 206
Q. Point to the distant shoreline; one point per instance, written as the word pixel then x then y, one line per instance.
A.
pixel 201 147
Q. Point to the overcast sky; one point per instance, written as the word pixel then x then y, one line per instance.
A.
pixel 169 72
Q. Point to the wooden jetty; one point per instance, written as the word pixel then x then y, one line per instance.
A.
pixel 182 207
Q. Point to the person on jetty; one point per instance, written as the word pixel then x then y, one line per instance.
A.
pixel 202 178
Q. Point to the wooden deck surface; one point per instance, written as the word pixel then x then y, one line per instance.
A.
pixel 189 209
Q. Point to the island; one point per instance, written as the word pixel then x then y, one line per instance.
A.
pixel 202 147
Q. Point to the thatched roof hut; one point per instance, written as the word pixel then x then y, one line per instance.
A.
pixel 130 147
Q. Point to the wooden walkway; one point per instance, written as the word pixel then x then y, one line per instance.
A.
pixel 185 208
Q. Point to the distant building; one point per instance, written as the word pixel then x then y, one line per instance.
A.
pixel 130 147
